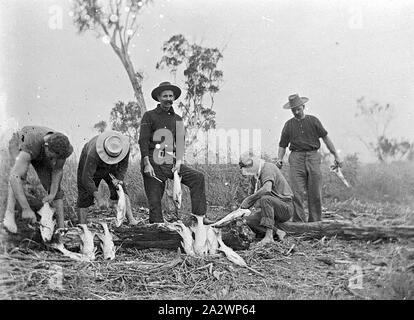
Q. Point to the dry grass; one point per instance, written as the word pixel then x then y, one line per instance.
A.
pixel 294 269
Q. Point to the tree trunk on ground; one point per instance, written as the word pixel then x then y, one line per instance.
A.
pixel 236 235
pixel 346 230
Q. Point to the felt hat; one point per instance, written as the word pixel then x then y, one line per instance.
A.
pixel 165 86
pixel 112 146
pixel 295 101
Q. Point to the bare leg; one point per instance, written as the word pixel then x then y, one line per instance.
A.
pixel 9 221
pixel 129 215
pixel 58 205
pixel 83 216
pixel 280 233
pixel 268 238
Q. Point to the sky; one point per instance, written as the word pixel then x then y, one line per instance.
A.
pixel 332 52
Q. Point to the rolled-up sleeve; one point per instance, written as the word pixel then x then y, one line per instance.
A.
pixel 320 129
pixel 145 135
pixel 284 137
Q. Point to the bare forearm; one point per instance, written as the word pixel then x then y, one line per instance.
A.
pixel 251 200
pixel 281 153
pixel 56 179
pixel 329 144
pixel 146 160
pixel 17 186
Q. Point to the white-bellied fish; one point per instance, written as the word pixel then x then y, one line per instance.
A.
pixel 121 207
pixel 177 191
pixel 186 234
pixel 212 242
pixel 107 243
pixel 73 255
pixel 230 254
pixel 337 170
pixel 47 224
pixel 88 247
pixel 200 236
pixel 231 216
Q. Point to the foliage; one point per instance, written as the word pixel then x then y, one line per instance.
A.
pixel 202 79
pixel 126 118
pixel 378 119
pixel 100 126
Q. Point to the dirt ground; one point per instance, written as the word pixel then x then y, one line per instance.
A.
pixel 297 268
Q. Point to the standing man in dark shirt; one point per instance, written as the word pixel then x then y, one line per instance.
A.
pixel 161 142
pixel 105 154
pixel 302 132
pixel 46 150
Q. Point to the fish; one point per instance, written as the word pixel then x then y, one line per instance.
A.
pixel 186 234
pixel 231 216
pixel 177 192
pixel 107 243
pixel 337 170
pixel 120 207
pixel 88 247
pixel 230 254
pixel 212 243
pixel 73 255
pixel 200 237
pixel 47 224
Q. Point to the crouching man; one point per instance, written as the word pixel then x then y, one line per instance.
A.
pixel 46 150
pixel 105 154
pixel 272 193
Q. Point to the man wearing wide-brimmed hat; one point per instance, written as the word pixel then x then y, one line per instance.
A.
pixel 161 143
pixel 271 192
pixel 302 133
pixel 104 154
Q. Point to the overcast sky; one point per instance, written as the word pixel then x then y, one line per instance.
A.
pixel 332 52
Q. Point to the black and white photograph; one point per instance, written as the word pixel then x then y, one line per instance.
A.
pixel 207 156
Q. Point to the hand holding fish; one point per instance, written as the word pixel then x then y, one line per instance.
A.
pixel 149 170
pixel 246 203
pixel 116 182
pixel 336 168
pixel 29 214
pixel 338 162
pixel 49 198
pixel 177 166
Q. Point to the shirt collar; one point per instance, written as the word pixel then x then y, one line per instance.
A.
pixel 160 110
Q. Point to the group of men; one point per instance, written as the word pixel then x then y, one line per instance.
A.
pixel 161 143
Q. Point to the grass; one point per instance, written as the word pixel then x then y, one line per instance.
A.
pixel 295 269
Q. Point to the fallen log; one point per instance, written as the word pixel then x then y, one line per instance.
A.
pixel 346 230
pixel 236 235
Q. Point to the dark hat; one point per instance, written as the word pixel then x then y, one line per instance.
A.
pixel 295 101
pixel 112 146
pixel 165 86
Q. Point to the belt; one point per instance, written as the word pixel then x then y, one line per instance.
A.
pixel 314 150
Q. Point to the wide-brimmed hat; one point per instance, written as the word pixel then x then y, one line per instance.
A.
pixel 295 101
pixel 112 146
pixel 165 86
